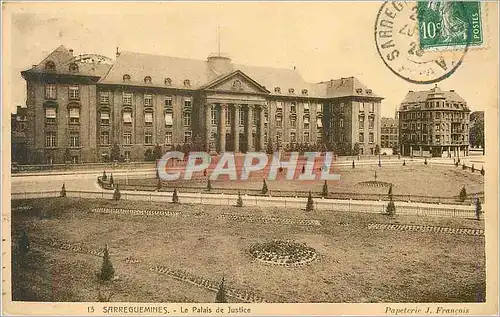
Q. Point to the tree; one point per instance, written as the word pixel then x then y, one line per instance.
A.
pixel 158 184
pixel 157 152
pixel 104 176
pixel 175 197
pixel 116 194
pixel 353 164
pixel 391 209
pixel 310 202
pixel 324 192
pixel 355 150
pixel 476 132
pixel 209 185
pixel 221 293
pixel 111 180
pixel 107 270
pixel 379 162
pixel 482 170
pixel 239 201
pixel 63 190
pixel 264 188
pixel 115 152
pixel 390 193
pixel 478 208
pixel 377 149
pixel 462 196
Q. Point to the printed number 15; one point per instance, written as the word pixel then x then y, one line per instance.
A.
pixel 90 309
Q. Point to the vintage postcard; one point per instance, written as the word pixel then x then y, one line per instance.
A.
pixel 250 158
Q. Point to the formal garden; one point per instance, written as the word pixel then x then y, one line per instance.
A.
pixel 73 249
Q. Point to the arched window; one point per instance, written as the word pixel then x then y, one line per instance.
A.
pixel 126 78
pixel 147 79
pixel 50 65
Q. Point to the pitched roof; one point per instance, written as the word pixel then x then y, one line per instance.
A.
pixel 388 122
pixel 421 96
pixel 346 87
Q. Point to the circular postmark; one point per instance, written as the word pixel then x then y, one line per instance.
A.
pixel 398 44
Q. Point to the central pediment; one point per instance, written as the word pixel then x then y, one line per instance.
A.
pixel 236 82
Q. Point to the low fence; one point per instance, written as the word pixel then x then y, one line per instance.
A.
pixel 403 208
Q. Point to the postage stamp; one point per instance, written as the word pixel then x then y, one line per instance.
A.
pixel 448 23
pixel 398 44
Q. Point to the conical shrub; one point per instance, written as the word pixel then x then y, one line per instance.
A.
pixel 117 195
pixel 63 190
pixel 175 197
pixel 310 202
pixel 221 293
pixel 107 270
pixel 462 196
pixel 239 201
pixel 324 192
pixel 264 188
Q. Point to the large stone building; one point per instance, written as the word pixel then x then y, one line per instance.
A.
pixel 434 123
pixel 78 107
pixel 389 135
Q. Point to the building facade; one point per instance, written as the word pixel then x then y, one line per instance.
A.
pixel 18 126
pixel 434 123
pixel 389 135
pixel 80 107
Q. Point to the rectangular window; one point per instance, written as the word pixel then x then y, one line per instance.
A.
pixel 148 118
pixel 127 155
pixel 127 117
pixel 168 119
pixel 104 97
pixel 168 102
pixel 50 139
pixel 241 117
pixel 361 137
pixel 371 121
pixel 74 93
pixel 293 137
pixel 168 138
pixel 279 105
pixel 187 137
pixel 104 118
pixel 254 117
pixel 148 138
pixel 341 137
pixel 213 116
pixel 437 126
pixel 361 107
pixel 319 108
pixel 306 108
pixel 74 115
pixel 293 123
pixel 361 122
pixel 306 137
pixel 104 137
pixel 341 107
pixel 188 102
pixel 306 122
pixel 319 123
pixel 293 107
pixel 148 100
pixel 50 92
pixel 372 107
pixel 127 138
pixel 279 121
pixel 50 115
pixel 370 136
pixel 127 98
pixel 187 119
pixel 341 123
pixel 228 117
pixel 74 140
pixel 74 160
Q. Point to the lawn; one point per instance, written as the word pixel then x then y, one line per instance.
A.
pixel 417 180
pixel 354 264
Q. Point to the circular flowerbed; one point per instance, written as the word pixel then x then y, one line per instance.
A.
pixel 283 252
pixel 374 184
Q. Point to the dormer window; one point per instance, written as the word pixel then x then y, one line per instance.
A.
pixel 187 83
pixel 369 91
pixel 50 65
pixel 126 78
pixel 291 90
pixel 304 92
pixel 147 79
pixel 277 90
pixel 359 91
pixel 168 81
pixel 73 67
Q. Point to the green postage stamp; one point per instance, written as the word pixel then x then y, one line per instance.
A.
pixel 449 23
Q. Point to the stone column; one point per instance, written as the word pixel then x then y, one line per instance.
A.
pixel 236 128
pixel 261 129
pixel 222 132
pixel 208 126
pixel 249 123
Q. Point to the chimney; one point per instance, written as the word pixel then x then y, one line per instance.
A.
pixel 71 51
pixel 117 52
pixel 34 65
pixel 453 90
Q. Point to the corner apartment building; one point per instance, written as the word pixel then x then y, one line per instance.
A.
pixel 79 106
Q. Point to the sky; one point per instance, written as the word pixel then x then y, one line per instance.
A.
pixel 322 40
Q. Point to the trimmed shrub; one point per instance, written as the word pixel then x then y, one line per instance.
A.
pixel 482 170
pixel 239 201
pixel 463 166
pixel 379 162
pixel 310 202
pixel 353 164
pixel 221 293
pixel 116 194
pixel 425 161
pixel 324 192
pixel 462 196
pixel 209 185
pixel 264 188
pixel 104 176
pixel 303 169
pixel 111 180
pixel 159 184
pixel 404 162
pixel 391 209
pixel 472 168
pixel 63 190
pixel 107 270
pixel 175 197
pixel 389 194
pixel 478 208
